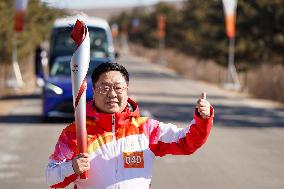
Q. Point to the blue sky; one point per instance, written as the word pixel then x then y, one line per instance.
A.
pixel 99 3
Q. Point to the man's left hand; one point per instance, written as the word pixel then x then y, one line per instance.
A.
pixel 203 106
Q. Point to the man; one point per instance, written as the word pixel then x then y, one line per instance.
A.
pixel 121 144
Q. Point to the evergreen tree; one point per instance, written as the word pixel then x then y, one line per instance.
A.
pixel 198 29
pixel 38 22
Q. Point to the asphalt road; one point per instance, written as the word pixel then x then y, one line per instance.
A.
pixel 244 150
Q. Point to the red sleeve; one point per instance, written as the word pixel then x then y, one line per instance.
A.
pixel 168 139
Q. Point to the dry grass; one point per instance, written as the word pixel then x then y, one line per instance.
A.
pixel 187 66
pixel 266 82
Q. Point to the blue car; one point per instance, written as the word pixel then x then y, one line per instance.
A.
pixel 57 99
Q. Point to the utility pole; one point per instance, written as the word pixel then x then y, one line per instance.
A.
pixel 19 17
pixel 161 27
pixel 15 65
pixel 233 81
pixel 232 76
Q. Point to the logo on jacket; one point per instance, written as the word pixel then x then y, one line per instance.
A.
pixel 133 159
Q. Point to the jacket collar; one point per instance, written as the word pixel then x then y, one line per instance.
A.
pixel 104 120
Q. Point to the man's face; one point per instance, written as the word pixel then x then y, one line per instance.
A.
pixel 110 92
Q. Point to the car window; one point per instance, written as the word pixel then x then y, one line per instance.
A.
pixel 98 43
pixel 62 44
pixel 61 68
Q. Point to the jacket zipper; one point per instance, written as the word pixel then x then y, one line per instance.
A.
pixel 114 147
pixel 113 126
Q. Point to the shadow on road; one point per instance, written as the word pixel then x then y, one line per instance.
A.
pixel 227 116
pixel 172 95
pixel 242 116
pixel 21 97
pixel 153 75
pixel 32 119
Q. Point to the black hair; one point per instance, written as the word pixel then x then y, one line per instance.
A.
pixel 106 67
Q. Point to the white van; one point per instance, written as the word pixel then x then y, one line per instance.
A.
pixel 61 44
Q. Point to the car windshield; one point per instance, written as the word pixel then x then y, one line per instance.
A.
pixel 63 44
pixel 62 68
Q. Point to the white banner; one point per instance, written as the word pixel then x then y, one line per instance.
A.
pixel 21 5
pixel 230 6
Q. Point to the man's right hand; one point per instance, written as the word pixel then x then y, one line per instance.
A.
pixel 81 163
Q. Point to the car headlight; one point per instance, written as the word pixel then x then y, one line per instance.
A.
pixel 54 88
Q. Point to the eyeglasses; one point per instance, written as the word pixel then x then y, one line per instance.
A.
pixel 105 89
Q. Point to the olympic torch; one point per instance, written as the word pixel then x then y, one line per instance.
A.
pixel 79 67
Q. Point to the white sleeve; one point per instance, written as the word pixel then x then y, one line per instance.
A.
pixel 56 172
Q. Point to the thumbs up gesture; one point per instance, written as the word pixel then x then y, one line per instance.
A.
pixel 203 106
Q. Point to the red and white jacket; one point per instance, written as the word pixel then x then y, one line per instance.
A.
pixel 122 148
